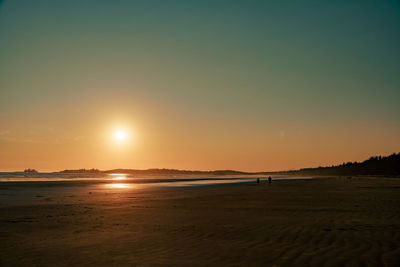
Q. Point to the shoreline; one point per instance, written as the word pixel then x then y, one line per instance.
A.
pixel 145 180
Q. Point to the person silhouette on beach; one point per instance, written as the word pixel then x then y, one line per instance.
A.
pixel 258 180
pixel 269 180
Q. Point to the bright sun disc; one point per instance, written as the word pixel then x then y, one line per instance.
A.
pixel 120 135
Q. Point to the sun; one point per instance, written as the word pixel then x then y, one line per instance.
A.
pixel 120 135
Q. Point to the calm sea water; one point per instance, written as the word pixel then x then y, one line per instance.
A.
pixel 121 177
pixel 120 180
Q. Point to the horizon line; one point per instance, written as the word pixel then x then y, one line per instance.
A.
pixel 188 170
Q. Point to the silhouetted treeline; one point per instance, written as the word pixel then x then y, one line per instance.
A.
pixel 389 165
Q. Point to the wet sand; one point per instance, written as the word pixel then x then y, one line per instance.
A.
pixel 320 222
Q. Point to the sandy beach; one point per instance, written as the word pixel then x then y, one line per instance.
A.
pixel 318 222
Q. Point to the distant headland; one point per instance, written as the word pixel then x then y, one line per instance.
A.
pixel 378 165
pixel 31 170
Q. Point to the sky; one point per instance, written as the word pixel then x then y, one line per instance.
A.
pixel 205 85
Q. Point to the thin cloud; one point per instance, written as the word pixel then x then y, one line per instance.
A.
pixel 20 140
pixel 78 138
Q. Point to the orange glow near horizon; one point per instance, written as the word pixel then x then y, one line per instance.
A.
pixel 186 144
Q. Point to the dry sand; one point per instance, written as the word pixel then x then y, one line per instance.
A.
pixel 321 222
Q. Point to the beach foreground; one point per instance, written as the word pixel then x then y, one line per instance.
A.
pixel 318 222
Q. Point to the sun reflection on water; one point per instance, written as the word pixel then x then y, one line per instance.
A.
pixel 118 176
pixel 119 186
